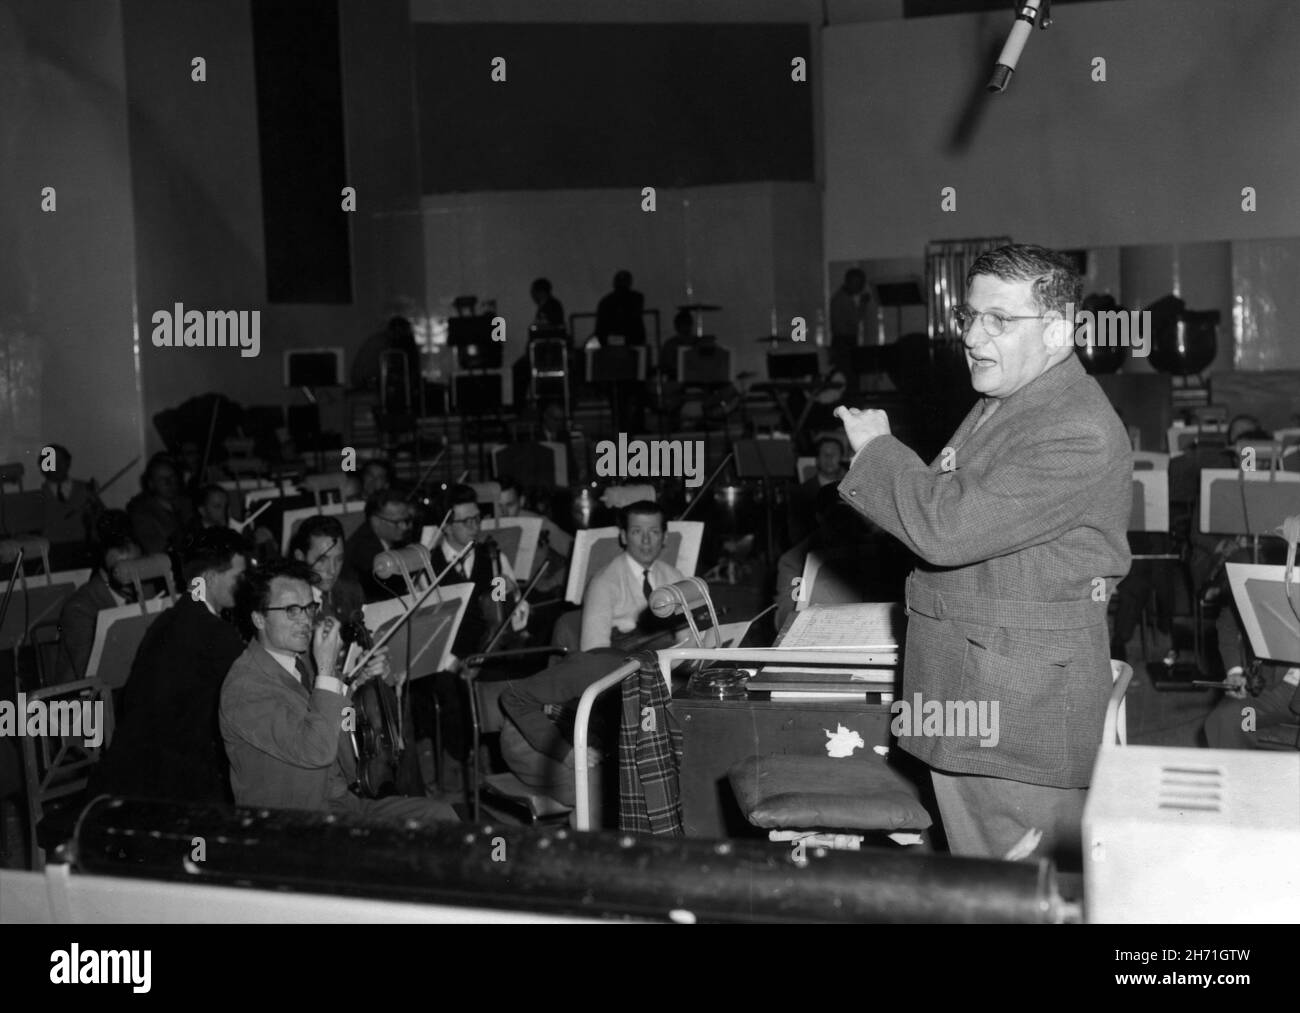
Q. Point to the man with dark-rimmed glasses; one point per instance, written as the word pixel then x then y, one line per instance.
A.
pixel 289 745
pixel 389 522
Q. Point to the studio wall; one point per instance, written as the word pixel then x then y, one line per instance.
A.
pixel 67 325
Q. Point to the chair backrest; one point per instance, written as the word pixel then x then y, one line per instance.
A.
pixel 517 538
pixel 11 473
pixel 1115 730
pixel 351 515
pixel 33 548
pixel 595 548
pixel 58 760
pixel 22 513
pixel 1149 460
pixel 118 633
pixel 136 571
pixel 36 600
pixel 319 485
pixel 45 639
pixel 486 492
pixel 806 467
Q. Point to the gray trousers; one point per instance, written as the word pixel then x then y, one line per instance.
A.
pixel 985 817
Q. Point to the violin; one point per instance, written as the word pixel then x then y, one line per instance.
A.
pixel 378 738
pixel 498 609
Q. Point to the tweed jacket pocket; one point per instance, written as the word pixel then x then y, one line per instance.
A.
pixel 1031 698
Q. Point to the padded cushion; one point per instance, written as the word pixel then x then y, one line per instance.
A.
pixel 812 792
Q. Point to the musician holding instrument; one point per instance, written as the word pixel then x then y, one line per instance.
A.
pixel 615 610
pixel 289 746
pixel 68 504
pixel 482 565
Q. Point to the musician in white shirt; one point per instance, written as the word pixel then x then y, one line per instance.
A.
pixel 617 599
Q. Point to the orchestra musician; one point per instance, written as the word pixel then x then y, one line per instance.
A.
pixel 289 746
pixel 616 604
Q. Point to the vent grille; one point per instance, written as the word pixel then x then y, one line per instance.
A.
pixel 1195 788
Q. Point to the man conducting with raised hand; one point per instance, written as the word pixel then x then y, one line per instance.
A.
pixel 1020 528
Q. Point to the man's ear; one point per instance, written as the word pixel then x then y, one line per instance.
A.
pixel 1058 336
pixel 622 539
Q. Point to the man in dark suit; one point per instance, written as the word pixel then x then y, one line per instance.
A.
pixel 389 518
pixel 289 746
pixel 619 312
pixel 1019 525
pixel 167 743
pixel 81 611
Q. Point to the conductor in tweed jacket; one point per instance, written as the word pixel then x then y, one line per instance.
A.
pixel 1020 528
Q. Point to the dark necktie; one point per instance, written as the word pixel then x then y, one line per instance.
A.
pixel 645 585
pixel 304 673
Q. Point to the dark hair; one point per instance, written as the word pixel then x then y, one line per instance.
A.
pixel 641 506
pixel 210 549
pixel 828 439
pixel 112 539
pixel 623 279
pixel 253 594
pixel 508 482
pixel 541 285
pixel 682 317
pixel 61 454
pixel 855 272
pixel 459 494
pixel 1056 284
pixel 380 498
pixel 208 490
pixel 157 461
pixel 319 526
pixel 379 462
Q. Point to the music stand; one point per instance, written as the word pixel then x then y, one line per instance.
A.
pixel 765 460
pixel 517 538
pixel 1266 611
pixel 1268 498
pixel 118 633
pixel 423 645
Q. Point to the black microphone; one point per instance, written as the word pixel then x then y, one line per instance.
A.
pixel 1020 31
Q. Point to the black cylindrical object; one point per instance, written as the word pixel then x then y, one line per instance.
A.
pixel 554 870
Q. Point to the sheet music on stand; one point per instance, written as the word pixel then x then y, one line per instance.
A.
pixel 1266 611
pixel 873 628
pixel 866 626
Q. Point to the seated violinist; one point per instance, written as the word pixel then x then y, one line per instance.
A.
pixel 290 743
pixel 494 583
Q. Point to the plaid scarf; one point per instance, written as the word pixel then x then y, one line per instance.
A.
pixel 649 754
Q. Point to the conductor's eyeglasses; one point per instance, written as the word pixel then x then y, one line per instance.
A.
pixel 994 324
